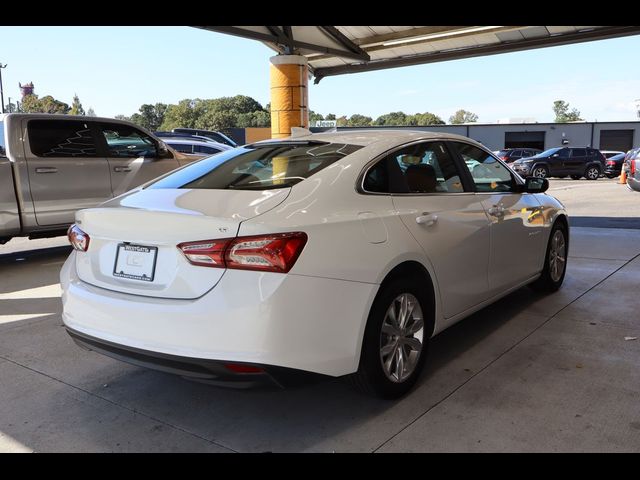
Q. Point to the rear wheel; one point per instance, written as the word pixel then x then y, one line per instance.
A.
pixel 576 177
pixel 540 171
pixel 395 342
pixel 555 262
pixel 592 173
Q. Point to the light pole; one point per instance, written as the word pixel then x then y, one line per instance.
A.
pixel 1 92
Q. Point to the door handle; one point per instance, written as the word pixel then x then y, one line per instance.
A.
pixel 427 219
pixel 121 169
pixel 497 211
pixel 46 170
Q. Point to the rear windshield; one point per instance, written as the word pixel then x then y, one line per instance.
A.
pixel 3 145
pixel 258 167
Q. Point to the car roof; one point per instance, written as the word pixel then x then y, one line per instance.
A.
pixel 194 141
pixel 367 137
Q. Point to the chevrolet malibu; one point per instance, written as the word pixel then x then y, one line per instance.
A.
pixel 339 254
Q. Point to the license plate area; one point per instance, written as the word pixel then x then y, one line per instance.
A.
pixel 135 262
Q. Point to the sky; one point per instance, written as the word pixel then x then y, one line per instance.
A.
pixel 114 70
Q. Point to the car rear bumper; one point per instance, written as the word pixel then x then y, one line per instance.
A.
pixel 291 321
pixel 633 184
pixel 612 170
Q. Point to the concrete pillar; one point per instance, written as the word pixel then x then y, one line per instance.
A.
pixel 289 94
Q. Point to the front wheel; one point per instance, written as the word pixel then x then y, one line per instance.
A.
pixel 555 262
pixel 592 173
pixel 395 342
pixel 540 171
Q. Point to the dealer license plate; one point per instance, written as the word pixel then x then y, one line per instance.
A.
pixel 135 262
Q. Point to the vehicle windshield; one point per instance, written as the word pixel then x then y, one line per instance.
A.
pixel 549 152
pixel 258 166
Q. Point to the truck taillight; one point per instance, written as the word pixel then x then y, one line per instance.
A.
pixel 267 253
pixel 77 238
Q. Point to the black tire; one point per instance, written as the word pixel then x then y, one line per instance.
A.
pixel 540 171
pixel 576 177
pixel 547 283
pixel 610 175
pixel 371 377
pixel 592 173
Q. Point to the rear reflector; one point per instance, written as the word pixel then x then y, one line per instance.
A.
pixel 77 238
pixel 268 253
pixel 241 368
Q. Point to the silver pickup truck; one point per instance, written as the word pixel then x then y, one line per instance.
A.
pixel 53 165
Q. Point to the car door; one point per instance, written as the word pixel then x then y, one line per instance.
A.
pixel 517 240
pixel 134 157
pixel 576 163
pixel 449 224
pixel 558 162
pixel 66 170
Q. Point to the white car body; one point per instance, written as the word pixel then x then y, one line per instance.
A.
pixel 312 318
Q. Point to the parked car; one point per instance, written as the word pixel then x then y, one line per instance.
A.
pixel 512 154
pixel 633 171
pixel 217 136
pixel 194 147
pixel 53 165
pixel 340 254
pixel 613 165
pixel 610 153
pixel 576 162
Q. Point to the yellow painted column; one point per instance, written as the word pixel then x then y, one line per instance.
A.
pixel 289 94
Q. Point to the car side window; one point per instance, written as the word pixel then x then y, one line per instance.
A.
pixel 488 174
pixel 61 138
pixel 578 152
pixel 204 149
pixel 563 153
pixel 126 141
pixel 421 168
pixel 516 154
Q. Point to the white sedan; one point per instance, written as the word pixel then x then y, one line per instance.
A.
pixel 340 254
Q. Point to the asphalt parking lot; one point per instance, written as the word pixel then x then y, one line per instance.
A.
pixel 529 373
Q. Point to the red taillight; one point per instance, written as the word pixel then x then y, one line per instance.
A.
pixel 610 162
pixel 504 159
pixel 206 253
pixel 242 368
pixel 77 238
pixel 268 253
pixel 632 167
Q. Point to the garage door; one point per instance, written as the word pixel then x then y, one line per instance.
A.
pixel 621 140
pixel 524 140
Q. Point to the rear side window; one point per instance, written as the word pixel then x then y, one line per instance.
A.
pixel 422 168
pixel 3 145
pixel 61 138
pixel 205 149
pixel 578 152
pixel 258 167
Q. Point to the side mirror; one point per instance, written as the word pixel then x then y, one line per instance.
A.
pixel 163 151
pixel 536 185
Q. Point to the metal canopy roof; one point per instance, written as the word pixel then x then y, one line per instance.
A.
pixel 339 50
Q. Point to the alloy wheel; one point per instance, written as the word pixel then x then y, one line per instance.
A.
pixel 557 256
pixel 539 172
pixel 593 173
pixel 401 338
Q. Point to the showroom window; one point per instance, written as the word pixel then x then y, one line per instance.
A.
pixel 488 174
pixel 420 168
pixel 61 138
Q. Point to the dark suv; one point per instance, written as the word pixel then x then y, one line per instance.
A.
pixel 576 162
pixel 512 154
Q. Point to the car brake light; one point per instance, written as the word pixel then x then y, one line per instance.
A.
pixel 632 167
pixel 206 253
pixel 243 368
pixel 610 162
pixel 77 238
pixel 504 159
pixel 268 253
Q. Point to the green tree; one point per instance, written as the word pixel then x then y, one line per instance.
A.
pixel 314 117
pixel 357 120
pixel 90 112
pixel 393 118
pixel 426 118
pixel 463 116
pixel 76 106
pixel 150 116
pixel 33 104
pixel 341 121
pixel 561 109
pixel 331 116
